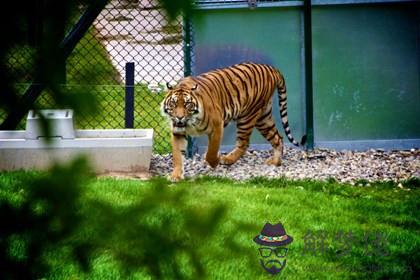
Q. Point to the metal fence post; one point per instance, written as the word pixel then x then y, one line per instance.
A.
pixel 129 95
pixel 187 66
pixel 307 17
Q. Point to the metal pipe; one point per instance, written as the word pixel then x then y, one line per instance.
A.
pixel 307 18
pixel 187 67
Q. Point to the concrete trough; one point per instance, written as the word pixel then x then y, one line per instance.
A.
pixel 108 150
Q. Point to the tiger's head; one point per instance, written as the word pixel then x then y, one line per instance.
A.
pixel 181 107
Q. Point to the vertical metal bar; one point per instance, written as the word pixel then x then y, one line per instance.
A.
pixel 187 66
pixel 307 18
pixel 129 95
pixel 187 45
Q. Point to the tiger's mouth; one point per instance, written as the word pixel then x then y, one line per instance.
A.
pixel 180 125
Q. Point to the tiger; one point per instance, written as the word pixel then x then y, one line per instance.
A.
pixel 205 104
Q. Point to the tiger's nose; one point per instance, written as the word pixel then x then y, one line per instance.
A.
pixel 180 121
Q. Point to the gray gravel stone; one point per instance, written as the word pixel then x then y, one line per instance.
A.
pixel 322 164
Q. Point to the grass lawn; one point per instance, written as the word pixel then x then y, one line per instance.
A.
pixel 382 220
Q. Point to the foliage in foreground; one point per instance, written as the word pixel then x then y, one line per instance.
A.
pixel 47 214
pixel 36 217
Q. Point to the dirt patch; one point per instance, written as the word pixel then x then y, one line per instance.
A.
pixel 141 175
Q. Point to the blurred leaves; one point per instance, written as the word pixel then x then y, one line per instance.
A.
pixel 46 216
pixel 39 28
pixel 160 234
pixel 34 31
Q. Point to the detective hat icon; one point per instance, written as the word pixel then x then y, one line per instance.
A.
pixel 273 235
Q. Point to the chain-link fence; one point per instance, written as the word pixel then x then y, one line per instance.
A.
pixel 135 31
pixel 125 31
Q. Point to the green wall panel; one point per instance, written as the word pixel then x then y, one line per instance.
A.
pixel 366 72
pixel 267 35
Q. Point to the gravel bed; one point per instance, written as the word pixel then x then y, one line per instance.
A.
pixel 322 164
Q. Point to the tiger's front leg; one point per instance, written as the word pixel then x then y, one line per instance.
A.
pixel 179 145
pixel 215 138
pixel 244 127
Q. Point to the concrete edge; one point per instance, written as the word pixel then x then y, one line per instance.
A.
pixel 104 139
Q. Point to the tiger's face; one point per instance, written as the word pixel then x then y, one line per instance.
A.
pixel 182 108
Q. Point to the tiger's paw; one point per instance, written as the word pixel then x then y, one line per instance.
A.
pixel 213 161
pixel 176 177
pixel 273 161
pixel 227 160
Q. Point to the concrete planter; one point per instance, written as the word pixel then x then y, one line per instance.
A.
pixel 116 150
pixel 121 150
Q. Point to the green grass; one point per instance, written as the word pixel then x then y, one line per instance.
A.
pixel 301 206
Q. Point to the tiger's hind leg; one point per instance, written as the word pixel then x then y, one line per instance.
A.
pixel 244 127
pixel 267 128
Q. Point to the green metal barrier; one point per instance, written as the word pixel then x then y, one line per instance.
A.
pixel 270 35
pixel 362 85
pixel 366 72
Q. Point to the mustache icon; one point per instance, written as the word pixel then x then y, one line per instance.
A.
pixel 273 269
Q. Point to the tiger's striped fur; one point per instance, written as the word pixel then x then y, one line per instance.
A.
pixel 205 104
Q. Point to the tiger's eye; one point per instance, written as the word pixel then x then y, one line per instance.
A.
pixel 189 106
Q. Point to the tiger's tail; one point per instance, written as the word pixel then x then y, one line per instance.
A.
pixel 281 88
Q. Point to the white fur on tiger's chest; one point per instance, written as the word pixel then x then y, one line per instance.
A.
pixel 192 130
pixel 188 130
pixel 178 130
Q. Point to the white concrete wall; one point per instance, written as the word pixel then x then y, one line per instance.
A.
pixel 108 150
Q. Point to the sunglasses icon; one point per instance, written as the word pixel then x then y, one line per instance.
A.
pixel 280 252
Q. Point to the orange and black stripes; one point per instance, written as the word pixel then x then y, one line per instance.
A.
pixel 241 91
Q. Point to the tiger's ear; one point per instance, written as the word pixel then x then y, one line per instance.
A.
pixel 169 86
pixel 194 87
